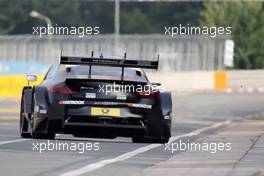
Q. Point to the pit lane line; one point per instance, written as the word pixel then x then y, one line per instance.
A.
pixel 125 156
pixel 17 140
pixel 13 141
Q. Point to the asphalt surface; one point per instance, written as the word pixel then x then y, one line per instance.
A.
pixel 119 156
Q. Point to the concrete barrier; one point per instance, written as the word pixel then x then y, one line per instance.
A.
pixel 12 85
pixel 230 81
pixel 245 81
pixel 184 81
pixel 221 81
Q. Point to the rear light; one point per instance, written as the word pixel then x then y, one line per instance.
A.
pixel 64 89
pixel 147 94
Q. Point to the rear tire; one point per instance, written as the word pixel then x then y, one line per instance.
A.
pixel 163 141
pixel 37 135
pixel 138 140
pixel 23 126
pixel 166 134
pixel 43 136
pixel 150 140
pixel 26 128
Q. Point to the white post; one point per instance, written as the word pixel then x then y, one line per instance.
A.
pixel 117 25
pixel 38 15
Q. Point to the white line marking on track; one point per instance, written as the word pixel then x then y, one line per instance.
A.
pixel 17 140
pixel 100 164
pixel 6 135
pixel 13 141
pixel 199 131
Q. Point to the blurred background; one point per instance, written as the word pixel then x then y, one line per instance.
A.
pixel 137 28
pixel 214 81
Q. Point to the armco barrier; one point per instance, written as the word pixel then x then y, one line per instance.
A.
pixel 12 85
pixel 184 81
pixel 13 76
pixel 246 81
pixel 230 81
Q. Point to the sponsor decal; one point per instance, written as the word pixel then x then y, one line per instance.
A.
pixel 144 106
pixel 105 103
pixel 90 95
pixel 43 111
pixel 121 97
pixel 134 105
pixel 71 102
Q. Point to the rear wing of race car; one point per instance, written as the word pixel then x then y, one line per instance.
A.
pixel 73 60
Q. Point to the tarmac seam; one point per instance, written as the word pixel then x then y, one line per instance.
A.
pixel 232 171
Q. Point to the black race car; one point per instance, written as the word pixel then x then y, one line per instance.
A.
pixel 97 97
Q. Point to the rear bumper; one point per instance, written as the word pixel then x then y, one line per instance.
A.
pixel 77 120
pixel 92 126
pixel 85 128
pixel 101 130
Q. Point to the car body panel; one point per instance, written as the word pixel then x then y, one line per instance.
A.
pixel 69 101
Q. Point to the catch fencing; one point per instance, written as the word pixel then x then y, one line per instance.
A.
pixel 181 53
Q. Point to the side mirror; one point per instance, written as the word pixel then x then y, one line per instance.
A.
pixel 31 78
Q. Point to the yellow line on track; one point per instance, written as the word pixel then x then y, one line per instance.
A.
pixel 9 118
pixel 9 110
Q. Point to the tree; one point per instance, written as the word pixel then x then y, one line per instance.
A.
pixel 136 17
pixel 15 19
pixel 247 22
pixel 151 17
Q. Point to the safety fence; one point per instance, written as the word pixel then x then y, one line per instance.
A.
pixel 181 53
pixel 28 54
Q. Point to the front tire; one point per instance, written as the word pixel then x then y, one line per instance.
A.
pixel 164 138
pixel 23 123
